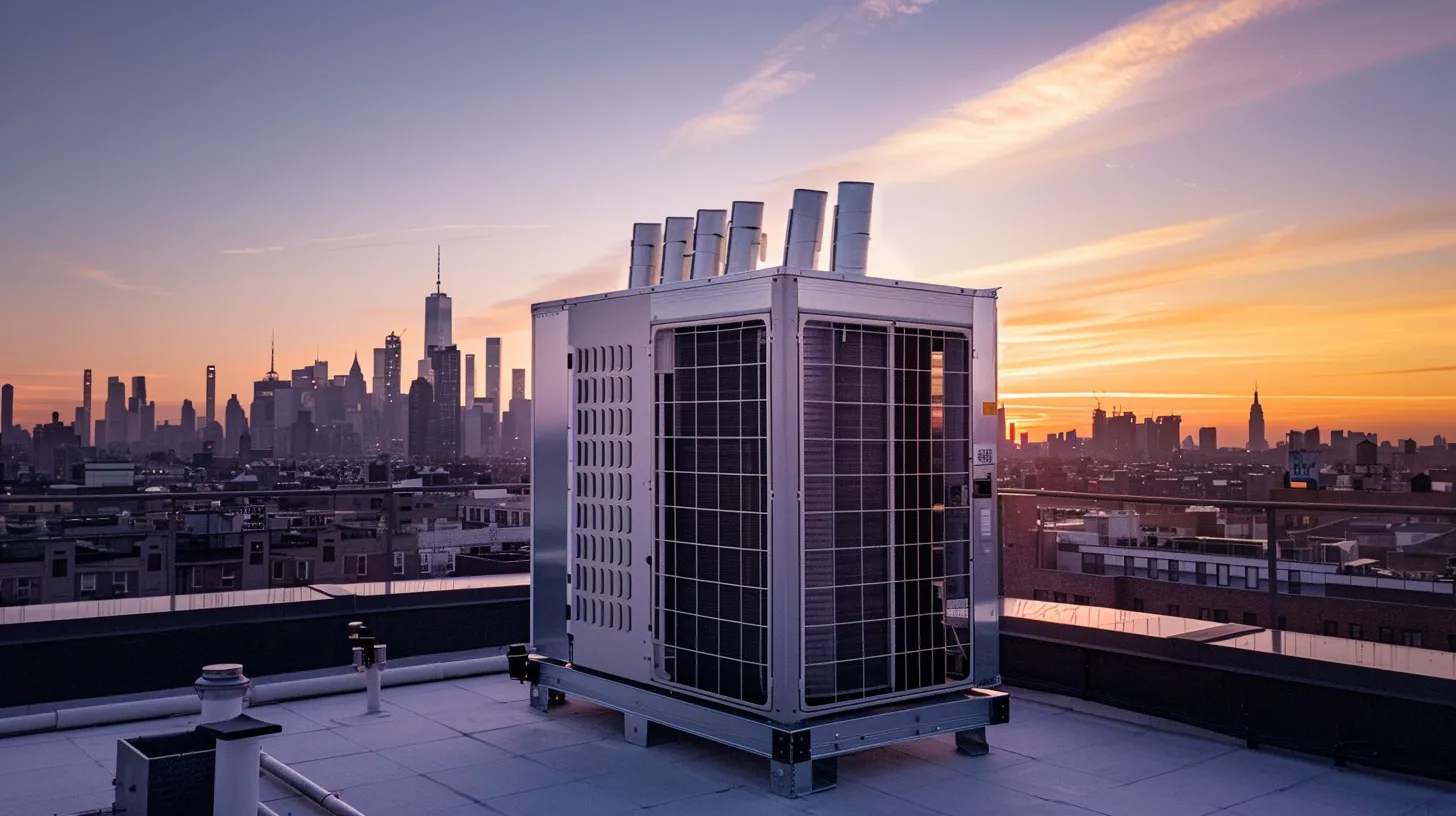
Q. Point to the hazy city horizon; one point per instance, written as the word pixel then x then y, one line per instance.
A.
pixel 1204 216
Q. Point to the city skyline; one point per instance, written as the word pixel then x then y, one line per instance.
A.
pixel 1220 203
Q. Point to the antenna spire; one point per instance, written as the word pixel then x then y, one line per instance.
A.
pixel 272 354
pixel 437 269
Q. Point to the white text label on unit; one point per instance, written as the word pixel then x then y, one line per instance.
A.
pixel 985 455
pixel 986 522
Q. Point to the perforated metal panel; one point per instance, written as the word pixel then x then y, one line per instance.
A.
pixel 602 528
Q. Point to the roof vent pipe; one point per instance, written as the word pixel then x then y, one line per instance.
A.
pixel 677 234
pixel 745 232
pixel 806 224
pixel 646 238
pixel 851 248
pixel 708 243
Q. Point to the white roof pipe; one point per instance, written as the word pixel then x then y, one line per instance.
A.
pixel 677 234
pixel 708 243
pixel 646 239
pixel 851 248
pixel 745 232
pixel 806 223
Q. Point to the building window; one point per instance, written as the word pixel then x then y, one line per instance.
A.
pixel 450 561
pixel 1137 604
pixel 1251 619
pixel 278 570
pixel 1295 587
pixel 118 584
pixel 1385 634
pixel 22 592
pixel 1450 639
pixel 1412 638
pixel 1223 575
pixel 361 565
pixel 154 562
pixel 88 582
pixel 1059 597
pixel 1085 600
pixel 399 563
pixel 1092 564
pixel 1172 570
pixel 328 553
pixel 1174 610
pixel 1220 616
pixel 1039 595
pixel 1280 623
pixel 229 577
pixel 424 562
pixel 1204 613
pixel 196 577
pixel 1129 568
pixel 303 569
pixel 1356 632
pixel 1200 573
pixel 1332 628
pixel 58 568
pixel 1251 578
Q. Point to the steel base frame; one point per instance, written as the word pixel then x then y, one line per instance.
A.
pixel 803 756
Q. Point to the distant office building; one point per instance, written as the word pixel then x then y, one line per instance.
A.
pixel 1367 453
pixel 1099 431
pixel 54 443
pixel 237 425
pixel 445 429
pixel 1169 436
pixel 1312 439
pixel 1257 440
pixel 115 413
pixel 211 395
pixel 469 381
pixel 189 418
pixel 492 369
pixel 1207 440
pixel 421 411
pixel 7 408
pixel 516 422
pixel 85 422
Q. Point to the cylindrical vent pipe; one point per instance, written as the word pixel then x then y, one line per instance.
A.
pixel 806 224
pixel 675 248
pixel 221 688
pixel 646 239
pixel 851 247
pixel 708 243
pixel 745 232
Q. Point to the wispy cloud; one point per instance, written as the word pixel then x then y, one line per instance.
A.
pixel 1430 370
pixel 253 250
pixel 1056 95
pixel 738 112
pixel 605 273
pixel 396 233
pixel 1103 249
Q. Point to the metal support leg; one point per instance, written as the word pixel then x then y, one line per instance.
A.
pixel 795 779
pixel 540 697
pixel 972 742
pixel 643 732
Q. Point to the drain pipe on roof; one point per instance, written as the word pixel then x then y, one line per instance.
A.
pixel 308 788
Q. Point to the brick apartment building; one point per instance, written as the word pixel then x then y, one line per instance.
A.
pixel 1030 570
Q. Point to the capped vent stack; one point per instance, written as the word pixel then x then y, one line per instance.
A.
pixel 708 243
pixel 849 252
pixel 678 235
pixel 646 241
pixel 806 224
pixel 745 236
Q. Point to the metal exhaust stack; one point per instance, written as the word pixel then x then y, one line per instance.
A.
pixel 678 232
pixel 806 224
pixel 708 243
pixel 745 234
pixel 646 238
pixel 851 248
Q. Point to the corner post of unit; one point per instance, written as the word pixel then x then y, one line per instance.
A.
pixel 793 772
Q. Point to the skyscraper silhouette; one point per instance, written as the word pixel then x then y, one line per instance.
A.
pixel 1257 440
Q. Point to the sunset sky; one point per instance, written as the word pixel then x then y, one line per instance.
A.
pixel 1177 199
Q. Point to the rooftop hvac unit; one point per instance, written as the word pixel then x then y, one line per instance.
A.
pixel 764 502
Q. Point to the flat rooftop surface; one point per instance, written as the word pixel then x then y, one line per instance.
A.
pixel 473 746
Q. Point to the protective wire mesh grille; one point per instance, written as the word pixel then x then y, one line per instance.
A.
pixel 886 516
pixel 712 583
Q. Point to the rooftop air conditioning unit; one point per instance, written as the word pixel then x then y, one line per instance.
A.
pixel 764 499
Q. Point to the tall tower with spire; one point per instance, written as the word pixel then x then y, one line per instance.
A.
pixel 264 408
pixel 1257 440
pixel 438 333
